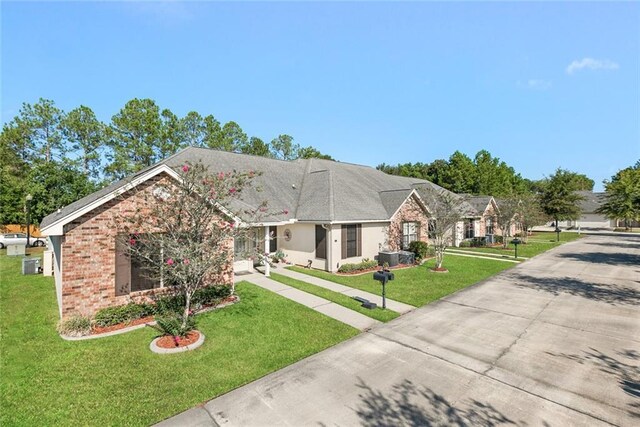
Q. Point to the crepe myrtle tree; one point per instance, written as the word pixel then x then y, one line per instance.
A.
pixel 446 211
pixel 189 224
pixel 506 216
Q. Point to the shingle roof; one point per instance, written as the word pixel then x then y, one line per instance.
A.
pixel 591 201
pixel 310 189
pixel 479 203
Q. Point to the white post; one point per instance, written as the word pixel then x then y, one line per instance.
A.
pixel 267 267
pixel 267 239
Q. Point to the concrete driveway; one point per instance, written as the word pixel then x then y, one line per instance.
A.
pixel 553 341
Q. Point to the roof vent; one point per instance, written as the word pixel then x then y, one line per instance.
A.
pixel 293 186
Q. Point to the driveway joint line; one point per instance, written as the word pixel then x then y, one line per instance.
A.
pixel 496 379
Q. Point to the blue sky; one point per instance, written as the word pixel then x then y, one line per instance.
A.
pixel 540 85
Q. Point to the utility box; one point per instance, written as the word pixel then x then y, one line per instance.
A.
pixel 16 250
pixel 406 257
pixel 30 265
pixel 47 263
pixel 391 258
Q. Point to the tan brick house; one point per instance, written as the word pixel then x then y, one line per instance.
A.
pixel 332 213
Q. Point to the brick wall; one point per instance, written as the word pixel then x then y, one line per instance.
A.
pixel 408 212
pixel 89 254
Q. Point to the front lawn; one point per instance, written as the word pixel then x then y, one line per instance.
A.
pixel 419 286
pixel 341 299
pixel 117 380
pixel 537 243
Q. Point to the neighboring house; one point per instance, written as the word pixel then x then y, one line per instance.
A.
pixel 336 213
pixel 588 217
pixel 482 218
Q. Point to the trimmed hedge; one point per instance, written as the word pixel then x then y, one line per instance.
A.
pixel 366 264
pixel 164 306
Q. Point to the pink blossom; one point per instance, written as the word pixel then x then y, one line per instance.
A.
pixel 232 190
pixel 170 261
pixel 185 168
pixel 132 241
pixel 185 261
pixel 285 211
pixel 221 175
pixel 251 173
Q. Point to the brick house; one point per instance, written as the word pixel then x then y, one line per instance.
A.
pixel 332 213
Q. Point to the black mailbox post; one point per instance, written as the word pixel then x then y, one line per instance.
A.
pixel 557 230
pixel 516 242
pixel 383 277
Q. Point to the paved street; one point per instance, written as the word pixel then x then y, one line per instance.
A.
pixel 552 341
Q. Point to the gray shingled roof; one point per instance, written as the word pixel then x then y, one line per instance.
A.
pixel 310 189
pixel 479 203
pixel 591 201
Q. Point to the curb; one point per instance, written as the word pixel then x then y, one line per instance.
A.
pixel 154 347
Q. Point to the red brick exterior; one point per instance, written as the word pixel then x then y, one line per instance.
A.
pixel 410 211
pixel 89 256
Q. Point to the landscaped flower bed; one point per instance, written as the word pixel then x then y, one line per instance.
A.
pixel 127 316
pixel 173 342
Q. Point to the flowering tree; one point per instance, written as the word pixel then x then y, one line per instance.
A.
pixel 506 216
pixel 446 210
pixel 189 225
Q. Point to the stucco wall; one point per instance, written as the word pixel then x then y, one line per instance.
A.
pixel 88 253
pixel 302 246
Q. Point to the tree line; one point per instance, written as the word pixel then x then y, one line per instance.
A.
pixel 482 175
pixel 59 157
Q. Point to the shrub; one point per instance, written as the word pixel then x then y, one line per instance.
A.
pixel 366 264
pixel 123 314
pixel 174 304
pixel 498 239
pixel 279 256
pixel 421 249
pixel 75 326
pixel 465 244
pixel 171 325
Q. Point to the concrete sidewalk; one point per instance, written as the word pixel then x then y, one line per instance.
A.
pixel 396 306
pixel 326 307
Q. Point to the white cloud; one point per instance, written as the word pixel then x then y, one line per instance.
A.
pixel 535 84
pixel 591 64
pixel 538 84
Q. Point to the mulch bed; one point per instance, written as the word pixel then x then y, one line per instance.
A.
pixel 173 342
pixel 103 329
pixel 439 270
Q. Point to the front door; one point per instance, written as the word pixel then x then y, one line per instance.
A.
pixel 273 239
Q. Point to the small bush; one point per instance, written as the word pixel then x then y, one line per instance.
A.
pixel 421 249
pixel 174 304
pixel 279 256
pixel 366 264
pixel 75 326
pixel 498 239
pixel 172 325
pixel 123 314
pixel 465 244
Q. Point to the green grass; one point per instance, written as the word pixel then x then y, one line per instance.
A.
pixel 338 298
pixel 419 286
pixel 117 380
pixel 538 243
